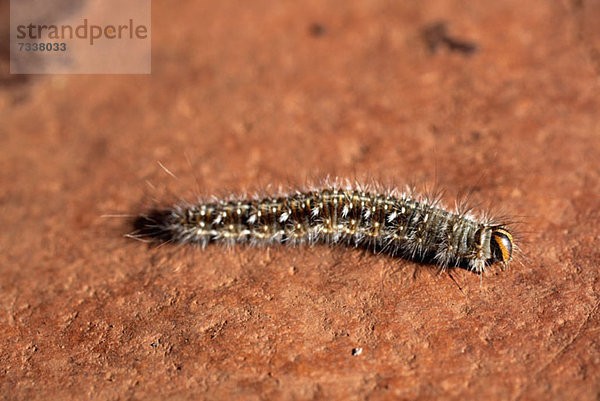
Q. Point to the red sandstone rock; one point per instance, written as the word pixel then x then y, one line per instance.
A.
pixel 272 93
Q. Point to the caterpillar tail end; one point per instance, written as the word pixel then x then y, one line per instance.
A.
pixel 153 227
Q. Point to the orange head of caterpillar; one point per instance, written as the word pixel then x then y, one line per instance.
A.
pixel 501 245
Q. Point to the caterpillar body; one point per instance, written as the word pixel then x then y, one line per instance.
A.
pixel 400 224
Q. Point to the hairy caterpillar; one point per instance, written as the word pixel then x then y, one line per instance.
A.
pixel 399 223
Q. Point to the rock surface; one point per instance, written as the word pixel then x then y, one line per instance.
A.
pixel 499 99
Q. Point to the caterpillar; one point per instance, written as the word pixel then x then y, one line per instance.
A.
pixel 398 223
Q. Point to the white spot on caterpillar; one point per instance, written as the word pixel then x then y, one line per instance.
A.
pixel 284 216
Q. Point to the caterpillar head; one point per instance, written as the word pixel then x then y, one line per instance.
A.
pixel 501 245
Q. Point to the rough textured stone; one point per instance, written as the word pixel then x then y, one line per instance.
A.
pixel 271 93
